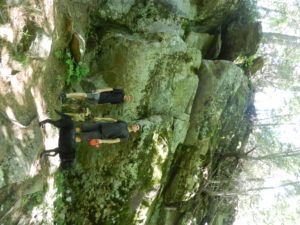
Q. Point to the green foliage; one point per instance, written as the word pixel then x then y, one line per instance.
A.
pixel 33 200
pixel 21 58
pixel 101 194
pixel 37 197
pixel 245 61
pixel 59 182
pixel 59 204
pixel 75 71
pixel 59 54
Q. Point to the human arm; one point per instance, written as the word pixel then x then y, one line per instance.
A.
pixel 103 90
pixel 77 116
pixel 108 141
pixel 71 114
pixel 105 119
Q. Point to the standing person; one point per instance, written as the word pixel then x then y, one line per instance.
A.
pixel 100 96
pixel 109 132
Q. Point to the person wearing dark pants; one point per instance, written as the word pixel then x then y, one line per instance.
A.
pixel 109 132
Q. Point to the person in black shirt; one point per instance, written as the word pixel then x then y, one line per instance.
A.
pixel 100 96
pixel 109 132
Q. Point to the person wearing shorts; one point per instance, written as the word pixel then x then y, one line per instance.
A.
pixel 109 132
pixel 100 96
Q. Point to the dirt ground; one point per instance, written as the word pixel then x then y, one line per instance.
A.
pixel 30 33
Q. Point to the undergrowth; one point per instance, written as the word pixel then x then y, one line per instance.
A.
pixel 245 61
pixel 75 71
pixel 59 204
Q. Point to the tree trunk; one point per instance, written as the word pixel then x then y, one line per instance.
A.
pixel 282 39
pixel 243 155
pixel 246 192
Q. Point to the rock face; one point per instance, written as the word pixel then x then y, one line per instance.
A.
pixel 190 109
pixel 241 40
pixel 212 14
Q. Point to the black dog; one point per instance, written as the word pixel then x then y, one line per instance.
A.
pixel 66 142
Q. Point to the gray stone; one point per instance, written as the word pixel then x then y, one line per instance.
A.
pixel 210 45
pixel 41 46
pixel 241 40
pixel 144 69
pixel 215 77
pixel 212 13
pixel 115 9
pixel 183 8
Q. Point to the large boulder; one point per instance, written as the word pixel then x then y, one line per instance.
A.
pixel 217 81
pixel 161 75
pixel 240 40
pixel 213 13
pixel 156 72
pixel 212 129
pixel 144 16
pixel 209 45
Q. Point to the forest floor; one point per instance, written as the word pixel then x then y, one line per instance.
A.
pixel 30 34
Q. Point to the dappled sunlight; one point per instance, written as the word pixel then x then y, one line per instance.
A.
pixel 51 133
pixel 18 128
pixel 19 84
pixel 142 210
pixel 17 19
pixel 162 149
pixel 49 13
pixel 35 168
pixel 54 164
pixel 160 156
pixel 16 83
pixel 10 114
pixel 43 213
pixel 5 70
pixel 39 101
pixel 7 33
pixel 4 131
pixel 192 221
pixel 26 41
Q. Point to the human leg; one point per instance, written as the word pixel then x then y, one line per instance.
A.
pixel 77 95
pixel 87 131
pixel 88 126
pixel 86 136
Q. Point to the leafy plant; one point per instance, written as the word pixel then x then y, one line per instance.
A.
pixel 21 58
pixel 75 71
pixel 245 61
pixel 33 200
pixel 59 54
